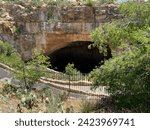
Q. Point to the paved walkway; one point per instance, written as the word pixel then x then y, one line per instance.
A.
pixel 5 73
pixel 76 91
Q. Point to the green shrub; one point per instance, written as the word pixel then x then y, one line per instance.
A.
pixel 127 74
pixel 9 55
pixel 50 15
pixel 89 2
pixel 55 104
pixel 28 100
pixel 53 101
pixel 100 2
pixel 11 1
pixel 86 107
pixel 128 79
pixel 9 89
pixel 17 31
pixel 6 49
pixel 71 70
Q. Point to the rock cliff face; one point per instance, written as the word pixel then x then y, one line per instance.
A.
pixel 50 27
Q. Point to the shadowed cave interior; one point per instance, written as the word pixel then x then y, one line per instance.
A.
pixel 78 53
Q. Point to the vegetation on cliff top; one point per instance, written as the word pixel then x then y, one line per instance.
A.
pixel 61 2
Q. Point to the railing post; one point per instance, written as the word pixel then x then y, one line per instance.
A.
pixel 69 86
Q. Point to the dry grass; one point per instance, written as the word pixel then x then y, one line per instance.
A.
pixel 8 103
pixel 1 85
pixel 76 104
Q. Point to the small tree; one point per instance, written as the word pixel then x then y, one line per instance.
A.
pixel 28 73
pixel 34 69
pixel 71 70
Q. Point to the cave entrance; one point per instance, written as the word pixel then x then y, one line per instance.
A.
pixel 78 53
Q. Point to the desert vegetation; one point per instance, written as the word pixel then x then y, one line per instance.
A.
pixel 62 2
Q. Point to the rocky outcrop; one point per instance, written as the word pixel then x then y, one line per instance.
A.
pixel 50 27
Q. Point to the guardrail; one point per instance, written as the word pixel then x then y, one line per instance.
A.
pixel 69 85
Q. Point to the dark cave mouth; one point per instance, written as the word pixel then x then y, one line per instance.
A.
pixel 78 53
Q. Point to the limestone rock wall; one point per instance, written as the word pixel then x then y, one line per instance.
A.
pixel 50 27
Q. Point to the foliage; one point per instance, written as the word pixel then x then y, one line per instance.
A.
pixel 53 101
pixel 17 31
pixel 51 17
pixel 127 74
pixel 97 2
pixel 87 107
pixel 31 71
pixel 38 3
pixel 90 2
pixel 5 49
pixel 11 0
pixel 9 89
pixel 133 29
pixel 28 100
pixel 54 105
pixel 28 73
pixel 62 2
pixel 8 55
pixel 71 70
pixel 128 77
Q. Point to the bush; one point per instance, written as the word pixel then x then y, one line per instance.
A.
pixel 128 79
pixel 6 48
pixel 89 2
pixel 9 89
pixel 87 107
pixel 99 2
pixel 71 70
pixel 9 55
pixel 17 31
pixel 53 102
pixel 127 74
pixel 28 100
